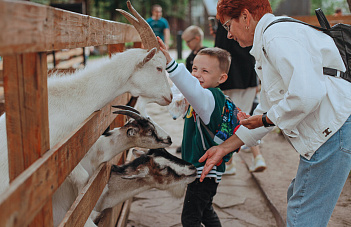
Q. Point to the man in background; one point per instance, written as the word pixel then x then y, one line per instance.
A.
pixel 159 24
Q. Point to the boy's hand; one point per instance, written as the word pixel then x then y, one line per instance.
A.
pixel 163 48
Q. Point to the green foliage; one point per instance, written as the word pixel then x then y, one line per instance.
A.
pixel 106 8
pixel 329 6
pixel 274 3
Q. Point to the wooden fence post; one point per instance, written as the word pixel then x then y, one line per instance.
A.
pixel 26 106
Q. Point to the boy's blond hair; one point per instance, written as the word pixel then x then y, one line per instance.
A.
pixel 193 31
pixel 222 55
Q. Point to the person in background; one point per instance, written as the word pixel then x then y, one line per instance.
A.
pixel 311 109
pixel 338 12
pixel 193 36
pixel 159 24
pixel 241 87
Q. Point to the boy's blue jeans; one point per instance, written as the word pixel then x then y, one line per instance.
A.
pixel 197 207
pixel 313 194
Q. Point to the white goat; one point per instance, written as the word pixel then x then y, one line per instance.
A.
pixel 72 98
pixel 155 169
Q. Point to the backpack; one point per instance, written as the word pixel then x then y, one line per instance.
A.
pixel 227 127
pixel 341 34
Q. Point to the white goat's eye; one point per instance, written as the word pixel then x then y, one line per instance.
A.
pixel 159 69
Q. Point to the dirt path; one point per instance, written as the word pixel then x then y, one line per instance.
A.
pixel 238 202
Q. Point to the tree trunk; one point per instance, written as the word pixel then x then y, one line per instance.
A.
pixel 349 2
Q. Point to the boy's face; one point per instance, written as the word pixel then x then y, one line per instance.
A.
pixel 206 70
pixel 192 42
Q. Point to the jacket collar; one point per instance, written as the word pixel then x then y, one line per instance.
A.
pixel 258 36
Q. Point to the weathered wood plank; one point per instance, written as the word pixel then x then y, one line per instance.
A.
pixel 35 186
pixel 71 63
pixel 332 19
pixel 26 95
pixel 123 218
pixel 65 54
pixel 39 28
pixel 44 217
pixel 1 78
pixel 61 71
pixel 27 107
pixel 115 48
pixel 86 200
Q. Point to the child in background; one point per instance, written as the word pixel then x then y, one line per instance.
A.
pixel 193 36
pixel 200 88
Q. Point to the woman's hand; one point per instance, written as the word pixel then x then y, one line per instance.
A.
pixel 213 156
pixel 164 50
pixel 250 122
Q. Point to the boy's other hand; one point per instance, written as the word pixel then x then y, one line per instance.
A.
pixel 163 48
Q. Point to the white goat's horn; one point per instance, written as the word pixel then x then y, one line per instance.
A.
pixel 124 107
pixel 148 37
pixel 129 114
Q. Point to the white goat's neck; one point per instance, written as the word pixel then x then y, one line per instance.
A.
pixel 88 90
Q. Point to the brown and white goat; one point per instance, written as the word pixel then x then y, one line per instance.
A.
pixel 155 169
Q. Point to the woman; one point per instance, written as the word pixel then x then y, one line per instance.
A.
pixel 312 110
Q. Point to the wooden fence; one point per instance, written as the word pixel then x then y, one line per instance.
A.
pixel 28 32
pixel 332 19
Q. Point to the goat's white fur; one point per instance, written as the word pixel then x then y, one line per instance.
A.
pixel 72 98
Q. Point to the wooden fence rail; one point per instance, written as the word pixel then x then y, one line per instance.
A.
pixel 28 32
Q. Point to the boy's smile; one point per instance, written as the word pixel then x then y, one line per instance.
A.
pixel 206 70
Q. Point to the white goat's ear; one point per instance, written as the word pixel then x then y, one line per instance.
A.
pixel 137 153
pixel 140 174
pixel 148 57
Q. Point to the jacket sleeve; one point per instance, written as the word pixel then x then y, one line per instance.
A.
pixel 199 98
pixel 299 89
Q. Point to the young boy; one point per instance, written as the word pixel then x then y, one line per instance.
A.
pixel 193 36
pixel 206 101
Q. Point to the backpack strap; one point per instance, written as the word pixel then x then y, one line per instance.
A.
pixel 325 26
pixel 288 19
pixel 201 134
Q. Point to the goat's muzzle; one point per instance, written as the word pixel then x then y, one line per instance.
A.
pixel 168 100
pixel 168 140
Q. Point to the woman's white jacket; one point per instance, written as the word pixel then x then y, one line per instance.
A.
pixel 306 105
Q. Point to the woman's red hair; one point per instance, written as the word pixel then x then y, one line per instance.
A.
pixel 233 8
